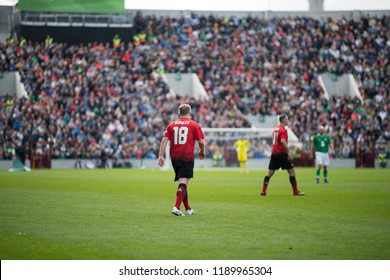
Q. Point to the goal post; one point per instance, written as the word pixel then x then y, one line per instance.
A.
pixel 219 141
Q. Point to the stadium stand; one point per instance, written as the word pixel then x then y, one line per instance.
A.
pixel 93 100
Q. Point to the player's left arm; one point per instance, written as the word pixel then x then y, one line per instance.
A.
pixel 199 136
pixel 248 146
pixel 283 141
pixel 201 144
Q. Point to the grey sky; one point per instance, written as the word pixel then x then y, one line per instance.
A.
pixel 256 5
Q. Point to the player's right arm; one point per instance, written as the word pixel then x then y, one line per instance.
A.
pixel 163 145
pixel 313 147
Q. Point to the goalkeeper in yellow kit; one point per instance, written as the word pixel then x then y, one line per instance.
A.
pixel 242 147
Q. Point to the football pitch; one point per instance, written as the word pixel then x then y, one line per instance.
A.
pixel 126 215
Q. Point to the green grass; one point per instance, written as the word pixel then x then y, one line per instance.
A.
pixel 80 6
pixel 125 214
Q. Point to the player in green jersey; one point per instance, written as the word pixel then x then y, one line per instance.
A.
pixel 322 146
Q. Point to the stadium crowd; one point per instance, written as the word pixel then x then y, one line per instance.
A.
pixel 96 100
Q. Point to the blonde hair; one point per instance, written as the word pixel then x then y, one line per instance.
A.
pixel 184 110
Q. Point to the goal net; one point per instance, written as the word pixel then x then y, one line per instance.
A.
pixel 220 144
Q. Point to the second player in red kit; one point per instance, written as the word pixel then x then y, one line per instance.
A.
pixel 280 157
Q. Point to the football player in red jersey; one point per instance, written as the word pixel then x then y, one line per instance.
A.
pixel 182 134
pixel 280 156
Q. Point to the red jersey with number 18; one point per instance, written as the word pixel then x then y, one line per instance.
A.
pixel 279 133
pixel 182 135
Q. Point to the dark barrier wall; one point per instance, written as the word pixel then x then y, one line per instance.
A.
pixel 76 35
